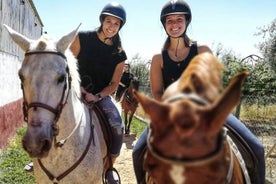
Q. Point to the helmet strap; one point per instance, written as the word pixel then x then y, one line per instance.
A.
pixel 178 40
pixel 175 53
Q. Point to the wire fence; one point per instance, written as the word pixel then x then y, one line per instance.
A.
pixel 258 113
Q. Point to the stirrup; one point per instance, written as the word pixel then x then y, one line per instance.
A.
pixel 114 171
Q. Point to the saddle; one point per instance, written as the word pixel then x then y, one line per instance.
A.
pixel 251 161
pixel 106 129
pixel 104 125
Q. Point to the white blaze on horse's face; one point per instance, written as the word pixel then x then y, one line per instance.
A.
pixel 44 78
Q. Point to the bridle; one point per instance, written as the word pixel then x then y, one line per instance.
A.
pixel 197 162
pixel 63 100
pixel 186 161
pixel 57 111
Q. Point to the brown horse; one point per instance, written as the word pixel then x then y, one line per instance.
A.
pixel 187 142
pixel 129 103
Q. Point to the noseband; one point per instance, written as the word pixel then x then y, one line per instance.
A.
pixel 63 100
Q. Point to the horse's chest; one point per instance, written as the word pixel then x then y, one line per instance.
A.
pixel 163 173
pixel 177 174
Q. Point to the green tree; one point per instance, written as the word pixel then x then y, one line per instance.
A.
pixel 140 69
pixel 232 63
pixel 268 46
pixel 268 66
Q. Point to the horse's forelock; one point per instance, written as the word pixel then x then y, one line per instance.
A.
pixel 43 43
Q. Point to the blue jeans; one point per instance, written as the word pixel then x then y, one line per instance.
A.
pixel 116 124
pixel 232 121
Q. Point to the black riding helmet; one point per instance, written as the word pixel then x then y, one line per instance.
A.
pixel 127 64
pixel 176 7
pixel 116 10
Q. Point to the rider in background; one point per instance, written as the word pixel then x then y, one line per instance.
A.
pixel 125 82
pixel 166 67
pixel 101 59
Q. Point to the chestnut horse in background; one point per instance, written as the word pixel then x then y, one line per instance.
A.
pixel 129 103
pixel 187 141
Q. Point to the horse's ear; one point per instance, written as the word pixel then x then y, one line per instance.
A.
pixel 66 40
pixel 224 105
pixel 152 107
pixel 22 41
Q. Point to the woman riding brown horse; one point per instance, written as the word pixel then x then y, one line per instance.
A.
pixel 187 142
pixel 129 103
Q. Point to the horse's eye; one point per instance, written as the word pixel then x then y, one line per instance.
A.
pixel 61 79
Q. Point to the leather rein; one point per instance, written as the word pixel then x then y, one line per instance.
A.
pixel 57 111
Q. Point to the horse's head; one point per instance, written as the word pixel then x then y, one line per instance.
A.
pixel 135 83
pixel 188 121
pixel 45 81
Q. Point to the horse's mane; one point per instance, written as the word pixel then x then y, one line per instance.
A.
pixel 45 43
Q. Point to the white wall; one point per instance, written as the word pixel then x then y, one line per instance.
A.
pixel 9 82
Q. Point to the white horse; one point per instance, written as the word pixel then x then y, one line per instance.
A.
pixel 65 141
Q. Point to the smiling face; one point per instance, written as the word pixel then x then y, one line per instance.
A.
pixel 175 25
pixel 110 26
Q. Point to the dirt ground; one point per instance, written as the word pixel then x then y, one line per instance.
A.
pixel 123 163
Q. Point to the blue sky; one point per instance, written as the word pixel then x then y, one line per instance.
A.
pixel 231 23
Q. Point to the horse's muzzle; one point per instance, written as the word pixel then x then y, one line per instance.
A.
pixel 37 141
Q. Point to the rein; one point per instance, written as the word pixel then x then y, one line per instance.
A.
pixel 129 98
pixel 75 165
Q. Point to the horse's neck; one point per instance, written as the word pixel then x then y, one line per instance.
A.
pixel 71 114
pixel 129 91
